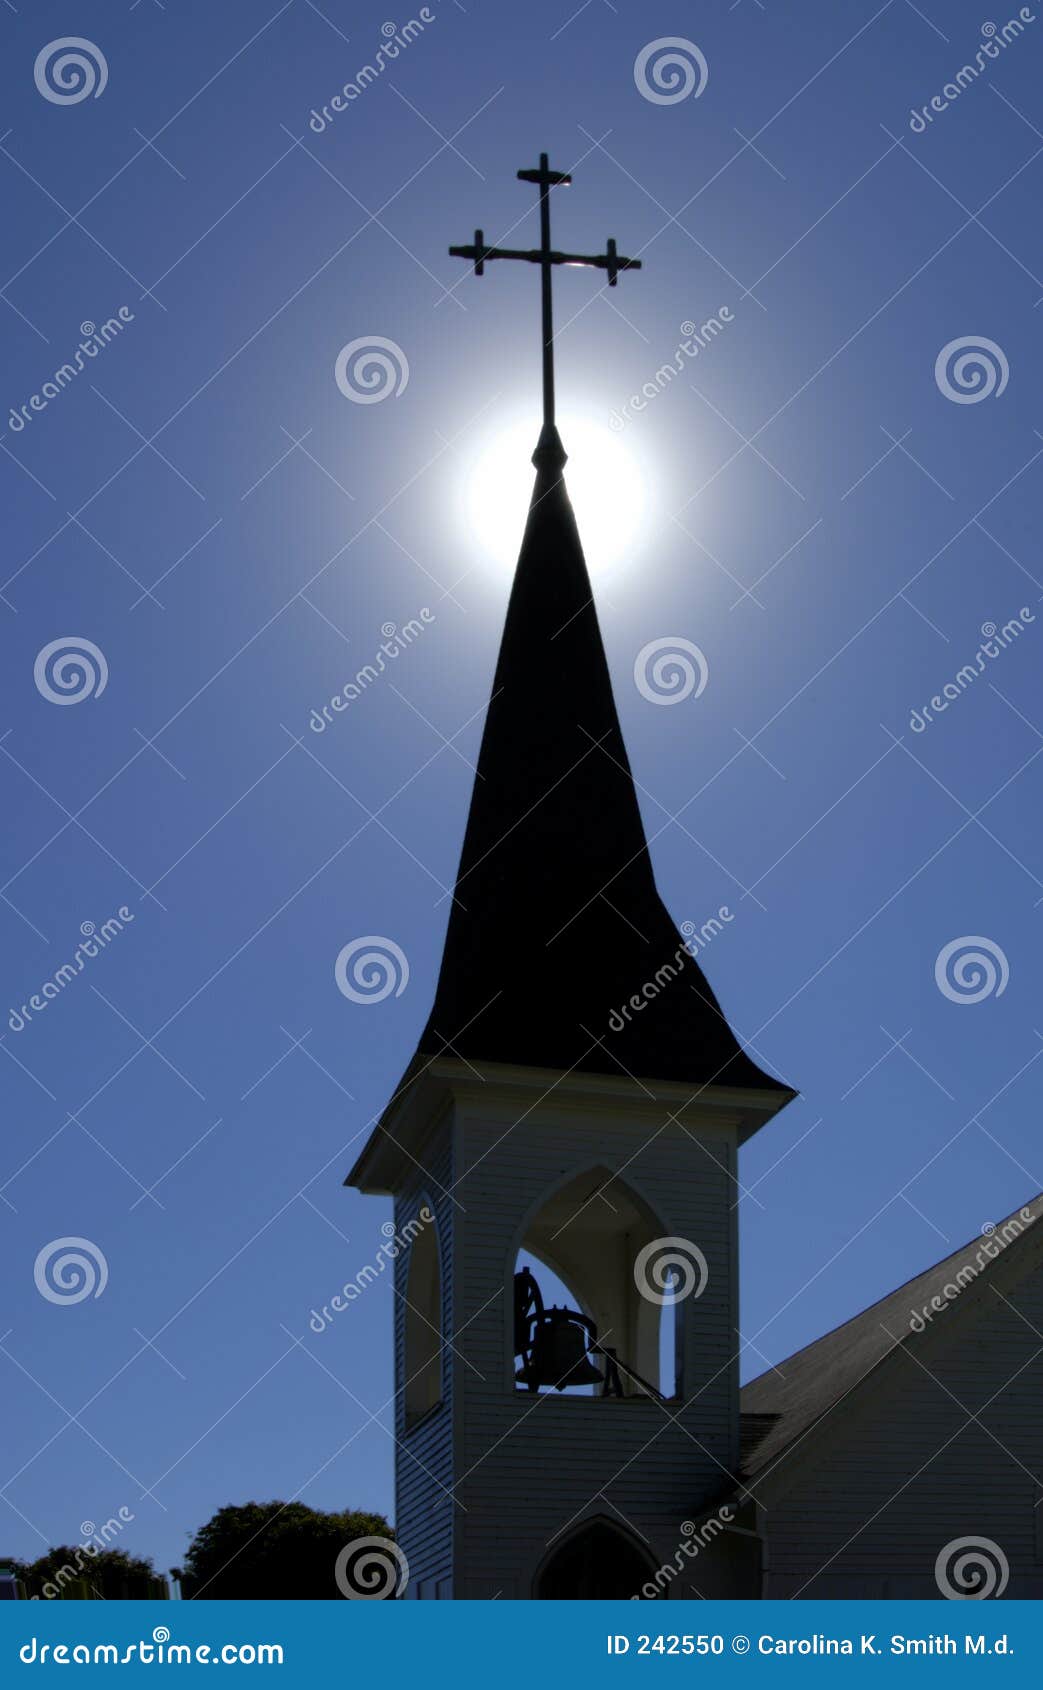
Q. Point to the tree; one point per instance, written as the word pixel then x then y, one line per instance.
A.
pixel 76 1570
pixel 20 1571
pixel 269 1550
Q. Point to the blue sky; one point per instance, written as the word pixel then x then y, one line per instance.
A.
pixel 822 521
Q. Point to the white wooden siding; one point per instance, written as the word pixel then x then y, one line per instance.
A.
pixel 530 1465
pixel 424 1453
pixel 907 1474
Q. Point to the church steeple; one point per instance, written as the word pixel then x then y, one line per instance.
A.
pixel 557 926
pixel 567 1007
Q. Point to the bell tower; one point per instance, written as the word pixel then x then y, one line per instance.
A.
pixel 566 1134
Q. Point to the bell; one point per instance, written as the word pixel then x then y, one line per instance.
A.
pixel 559 1354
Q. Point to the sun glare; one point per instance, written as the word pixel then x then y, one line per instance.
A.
pixel 605 484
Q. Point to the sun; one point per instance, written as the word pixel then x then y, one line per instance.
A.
pixel 606 484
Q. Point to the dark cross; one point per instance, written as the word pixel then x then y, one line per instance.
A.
pixel 546 258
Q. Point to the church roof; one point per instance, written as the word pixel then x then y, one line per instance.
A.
pixel 557 926
pixel 783 1404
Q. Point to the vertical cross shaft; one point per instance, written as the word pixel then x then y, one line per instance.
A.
pixel 546 179
pixel 545 276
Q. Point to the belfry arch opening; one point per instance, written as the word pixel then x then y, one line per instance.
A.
pixel 582 1324
pixel 423 1320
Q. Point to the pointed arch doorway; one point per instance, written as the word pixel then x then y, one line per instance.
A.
pixel 599 1562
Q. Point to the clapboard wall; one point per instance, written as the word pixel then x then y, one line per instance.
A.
pixel 530 1466
pixel 902 1470
pixel 424 1451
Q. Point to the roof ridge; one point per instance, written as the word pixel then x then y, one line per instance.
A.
pixel 932 1268
pixel 809 1385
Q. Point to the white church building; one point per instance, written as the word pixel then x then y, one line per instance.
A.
pixel 575 1110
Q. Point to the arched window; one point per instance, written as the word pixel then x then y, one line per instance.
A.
pixel 599 1562
pixel 582 1247
pixel 423 1321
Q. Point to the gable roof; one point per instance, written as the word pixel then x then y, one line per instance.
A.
pixel 782 1404
pixel 557 921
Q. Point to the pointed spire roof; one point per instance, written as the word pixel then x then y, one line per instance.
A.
pixel 557 925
